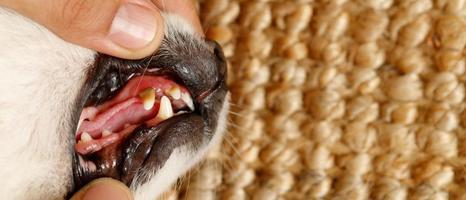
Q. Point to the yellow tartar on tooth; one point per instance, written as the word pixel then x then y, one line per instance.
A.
pixel 148 98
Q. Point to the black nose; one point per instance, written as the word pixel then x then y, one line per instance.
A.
pixel 220 58
pixel 217 49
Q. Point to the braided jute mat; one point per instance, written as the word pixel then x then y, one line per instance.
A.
pixel 338 99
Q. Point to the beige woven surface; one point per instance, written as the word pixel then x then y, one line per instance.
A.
pixel 338 99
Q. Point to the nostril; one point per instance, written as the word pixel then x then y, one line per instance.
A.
pixel 217 50
pixel 221 60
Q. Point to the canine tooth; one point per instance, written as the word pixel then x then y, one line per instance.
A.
pixel 106 133
pixel 85 137
pixel 175 92
pixel 148 98
pixel 188 100
pixel 166 110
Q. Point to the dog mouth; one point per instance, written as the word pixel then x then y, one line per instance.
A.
pixel 136 113
pixel 145 100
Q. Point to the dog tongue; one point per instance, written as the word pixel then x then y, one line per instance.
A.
pixel 130 111
pixel 115 119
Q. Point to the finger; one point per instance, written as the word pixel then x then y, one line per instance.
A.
pixel 183 8
pixel 103 189
pixel 124 28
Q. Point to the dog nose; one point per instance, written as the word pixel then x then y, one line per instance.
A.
pixel 219 56
pixel 217 49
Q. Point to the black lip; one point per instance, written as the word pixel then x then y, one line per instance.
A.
pixel 154 145
pixel 149 147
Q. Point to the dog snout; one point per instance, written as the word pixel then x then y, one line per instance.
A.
pixel 200 67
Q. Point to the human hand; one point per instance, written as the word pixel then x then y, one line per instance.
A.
pixel 128 29
pixel 103 189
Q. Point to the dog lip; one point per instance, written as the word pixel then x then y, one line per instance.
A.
pixel 149 147
pixel 122 160
pixel 146 148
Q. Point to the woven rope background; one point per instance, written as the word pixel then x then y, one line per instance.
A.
pixel 338 99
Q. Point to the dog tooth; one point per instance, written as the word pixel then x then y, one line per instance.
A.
pixel 106 133
pixel 85 137
pixel 165 110
pixel 148 98
pixel 181 112
pixel 175 92
pixel 188 100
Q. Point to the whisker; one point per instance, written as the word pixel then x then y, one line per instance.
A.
pixel 233 103
pixel 237 107
pixel 179 184
pixel 238 127
pixel 235 150
pixel 187 185
pixel 225 159
pixel 236 114
pixel 146 67
pixel 227 165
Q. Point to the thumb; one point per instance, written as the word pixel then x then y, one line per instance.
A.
pixel 124 28
pixel 103 189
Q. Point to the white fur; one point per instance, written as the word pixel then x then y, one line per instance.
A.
pixel 40 75
pixel 180 161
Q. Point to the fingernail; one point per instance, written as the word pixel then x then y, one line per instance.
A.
pixel 133 27
pixel 106 191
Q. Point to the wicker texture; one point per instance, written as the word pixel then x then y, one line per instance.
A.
pixel 338 99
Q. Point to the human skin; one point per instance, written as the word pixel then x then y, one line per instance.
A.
pixel 129 29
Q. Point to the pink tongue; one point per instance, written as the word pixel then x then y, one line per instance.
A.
pixel 114 119
pixel 125 107
pixel 95 145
